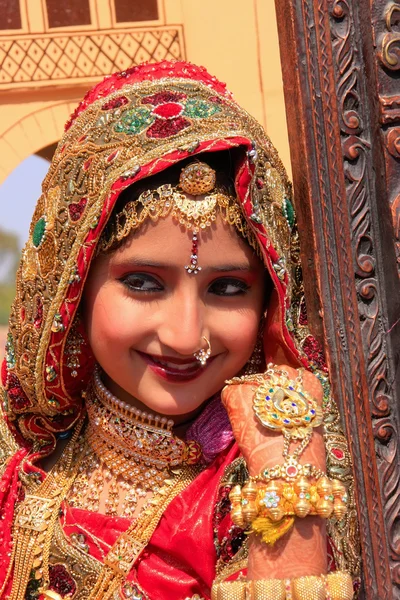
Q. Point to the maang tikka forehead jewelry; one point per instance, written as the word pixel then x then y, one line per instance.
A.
pixel 197 179
pixel 194 214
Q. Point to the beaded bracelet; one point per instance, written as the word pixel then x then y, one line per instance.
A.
pixel 335 586
pixel 263 508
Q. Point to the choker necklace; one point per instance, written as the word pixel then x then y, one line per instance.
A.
pixel 128 453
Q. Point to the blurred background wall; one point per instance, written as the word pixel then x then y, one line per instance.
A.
pixel 52 51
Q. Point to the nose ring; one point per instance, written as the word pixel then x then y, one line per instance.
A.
pixel 203 355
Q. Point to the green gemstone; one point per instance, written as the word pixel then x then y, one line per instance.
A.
pixel 288 212
pixel 199 109
pixel 10 352
pixel 134 121
pixel 338 470
pixel 38 232
pixel 271 390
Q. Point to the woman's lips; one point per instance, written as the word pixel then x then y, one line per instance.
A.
pixel 174 370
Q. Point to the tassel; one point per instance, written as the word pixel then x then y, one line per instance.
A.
pixel 271 531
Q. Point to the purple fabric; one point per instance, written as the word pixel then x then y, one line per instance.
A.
pixel 211 429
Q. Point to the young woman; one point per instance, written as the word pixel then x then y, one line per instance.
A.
pixel 163 261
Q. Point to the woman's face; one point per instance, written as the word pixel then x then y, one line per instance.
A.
pixel 146 316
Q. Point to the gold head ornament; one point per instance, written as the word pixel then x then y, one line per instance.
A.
pixel 194 213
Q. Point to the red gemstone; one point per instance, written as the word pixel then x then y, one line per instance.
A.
pixel 87 164
pixel 61 580
pixel 115 103
pixel 76 210
pixel 163 97
pixel 291 471
pixel 112 156
pixel 17 397
pixel 164 128
pixel 168 111
pixel 338 453
pixel 315 352
pixel 216 100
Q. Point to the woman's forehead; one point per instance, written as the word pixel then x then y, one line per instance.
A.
pixel 166 242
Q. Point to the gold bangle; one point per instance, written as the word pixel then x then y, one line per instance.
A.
pixel 335 586
pixel 229 590
pixel 269 510
pixel 322 497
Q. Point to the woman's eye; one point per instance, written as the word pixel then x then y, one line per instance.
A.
pixel 229 287
pixel 142 283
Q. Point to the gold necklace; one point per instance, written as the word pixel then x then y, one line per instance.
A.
pixel 127 454
pixel 36 519
pixel 36 516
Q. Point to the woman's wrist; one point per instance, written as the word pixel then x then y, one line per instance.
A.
pixel 301 552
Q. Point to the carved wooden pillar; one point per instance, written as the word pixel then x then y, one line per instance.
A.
pixel 341 61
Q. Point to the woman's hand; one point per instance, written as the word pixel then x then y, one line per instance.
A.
pixel 262 447
pixel 303 550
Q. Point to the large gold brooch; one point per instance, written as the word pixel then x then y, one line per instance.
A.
pixel 284 405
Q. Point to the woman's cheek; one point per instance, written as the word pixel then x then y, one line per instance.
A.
pixel 241 336
pixel 112 323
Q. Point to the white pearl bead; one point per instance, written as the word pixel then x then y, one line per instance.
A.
pixel 125 407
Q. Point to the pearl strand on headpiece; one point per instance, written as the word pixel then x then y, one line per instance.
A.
pixel 104 394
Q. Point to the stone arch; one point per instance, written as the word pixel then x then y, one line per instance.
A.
pixel 31 133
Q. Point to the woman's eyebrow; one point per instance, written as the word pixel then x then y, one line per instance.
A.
pixel 231 267
pixel 142 262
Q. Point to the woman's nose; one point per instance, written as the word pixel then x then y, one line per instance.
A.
pixel 183 326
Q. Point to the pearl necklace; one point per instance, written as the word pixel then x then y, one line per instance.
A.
pixel 131 412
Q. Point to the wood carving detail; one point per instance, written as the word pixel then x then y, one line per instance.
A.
pixel 347 94
pixel 390 47
pixel 393 141
pixel 396 223
pixel 357 164
pixel 390 109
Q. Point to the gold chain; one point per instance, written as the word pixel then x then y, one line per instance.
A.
pixel 35 520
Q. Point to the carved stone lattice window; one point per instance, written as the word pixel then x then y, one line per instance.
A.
pixel 67 14
pixel 10 14
pixel 140 10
